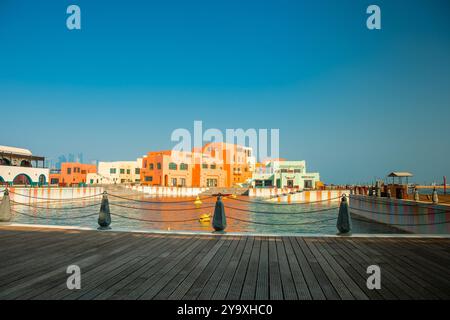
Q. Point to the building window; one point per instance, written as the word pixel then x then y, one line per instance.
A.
pixel 211 182
pixel 183 166
pixel 204 166
pixel 148 178
pixel 122 171
pixel 183 182
pixel 151 166
pixel 172 166
pixel 137 171
pixel 158 165
pixel 174 182
pixel 69 170
pixel 128 171
pixel 112 170
pixel 213 166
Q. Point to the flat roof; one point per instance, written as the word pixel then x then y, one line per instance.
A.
pixel 400 174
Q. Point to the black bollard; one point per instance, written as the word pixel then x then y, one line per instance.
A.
pixel 104 216
pixel 219 218
pixel 344 222
pixel 5 207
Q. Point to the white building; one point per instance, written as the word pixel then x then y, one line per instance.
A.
pixel 116 172
pixel 19 167
pixel 285 174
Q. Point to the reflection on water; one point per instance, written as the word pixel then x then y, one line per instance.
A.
pixel 162 215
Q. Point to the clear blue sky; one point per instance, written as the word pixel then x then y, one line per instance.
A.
pixel 354 103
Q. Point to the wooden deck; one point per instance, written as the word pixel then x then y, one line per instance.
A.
pixel 118 265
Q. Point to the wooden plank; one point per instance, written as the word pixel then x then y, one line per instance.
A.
pixel 249 286
pixel 238 281
pixel 262 282
pixel 327 287
pixel 210 287
pixel 222 288
pixel 275 285
pixel 201 281
pixel 287 280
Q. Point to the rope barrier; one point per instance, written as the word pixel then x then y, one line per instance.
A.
pixel 283 204
pixel 147 201
pixel 273 212
pixel 402 214
pixel 159 209
pixel 53 199
pixel 155 221
pixel 405 225
pixel 281 224
pixel 373 200
pixel 53 218
pixel 56 208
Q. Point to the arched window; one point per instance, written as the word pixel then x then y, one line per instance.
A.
pixel 22 179
pixel 42 180
pixel 25 163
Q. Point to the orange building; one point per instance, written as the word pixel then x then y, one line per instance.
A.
pixel 237 161
pixel 214 165
pixel 208 171
pixel 72 173
pixel 167 168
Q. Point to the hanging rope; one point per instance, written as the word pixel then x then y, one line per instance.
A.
pixel 53 199
pixel 373 200
pixel 159 209
pixel 155 221
pixel 401 214
pixel 53 218
pixel 161 202
pixel 405 225
pixel 280 224
pixel 282 204
pixel 55 208
pixel 274 212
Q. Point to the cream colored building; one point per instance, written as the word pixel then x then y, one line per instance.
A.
pixel 116 172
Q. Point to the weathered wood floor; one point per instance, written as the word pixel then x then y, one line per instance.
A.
pixel 115 265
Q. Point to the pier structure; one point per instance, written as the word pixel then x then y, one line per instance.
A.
pixel 126 265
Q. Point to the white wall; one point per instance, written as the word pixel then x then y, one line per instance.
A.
pixel 8 173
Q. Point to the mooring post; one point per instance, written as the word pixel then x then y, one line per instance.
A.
pixel 377 189
pixel 5 207
pixel 416 195
pixel 219 218
pixel 104 216
pixel 434 196
pixel 344 221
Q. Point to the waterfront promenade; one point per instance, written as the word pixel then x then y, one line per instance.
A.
pixel 126 265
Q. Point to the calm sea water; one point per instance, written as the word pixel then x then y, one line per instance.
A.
pixel 277 222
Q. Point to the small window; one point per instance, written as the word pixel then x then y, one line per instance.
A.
pixel 158 165
pixel 122 171
pixel 137 171
pixel 148 178
pixel 128 171
pixel 151 166
pixel 69 170
pixel 204 166
pixel 213 166
pixel 183 166
pixel 112 170
pixel 172 166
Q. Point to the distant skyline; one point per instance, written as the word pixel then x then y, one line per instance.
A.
pixel 354 103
